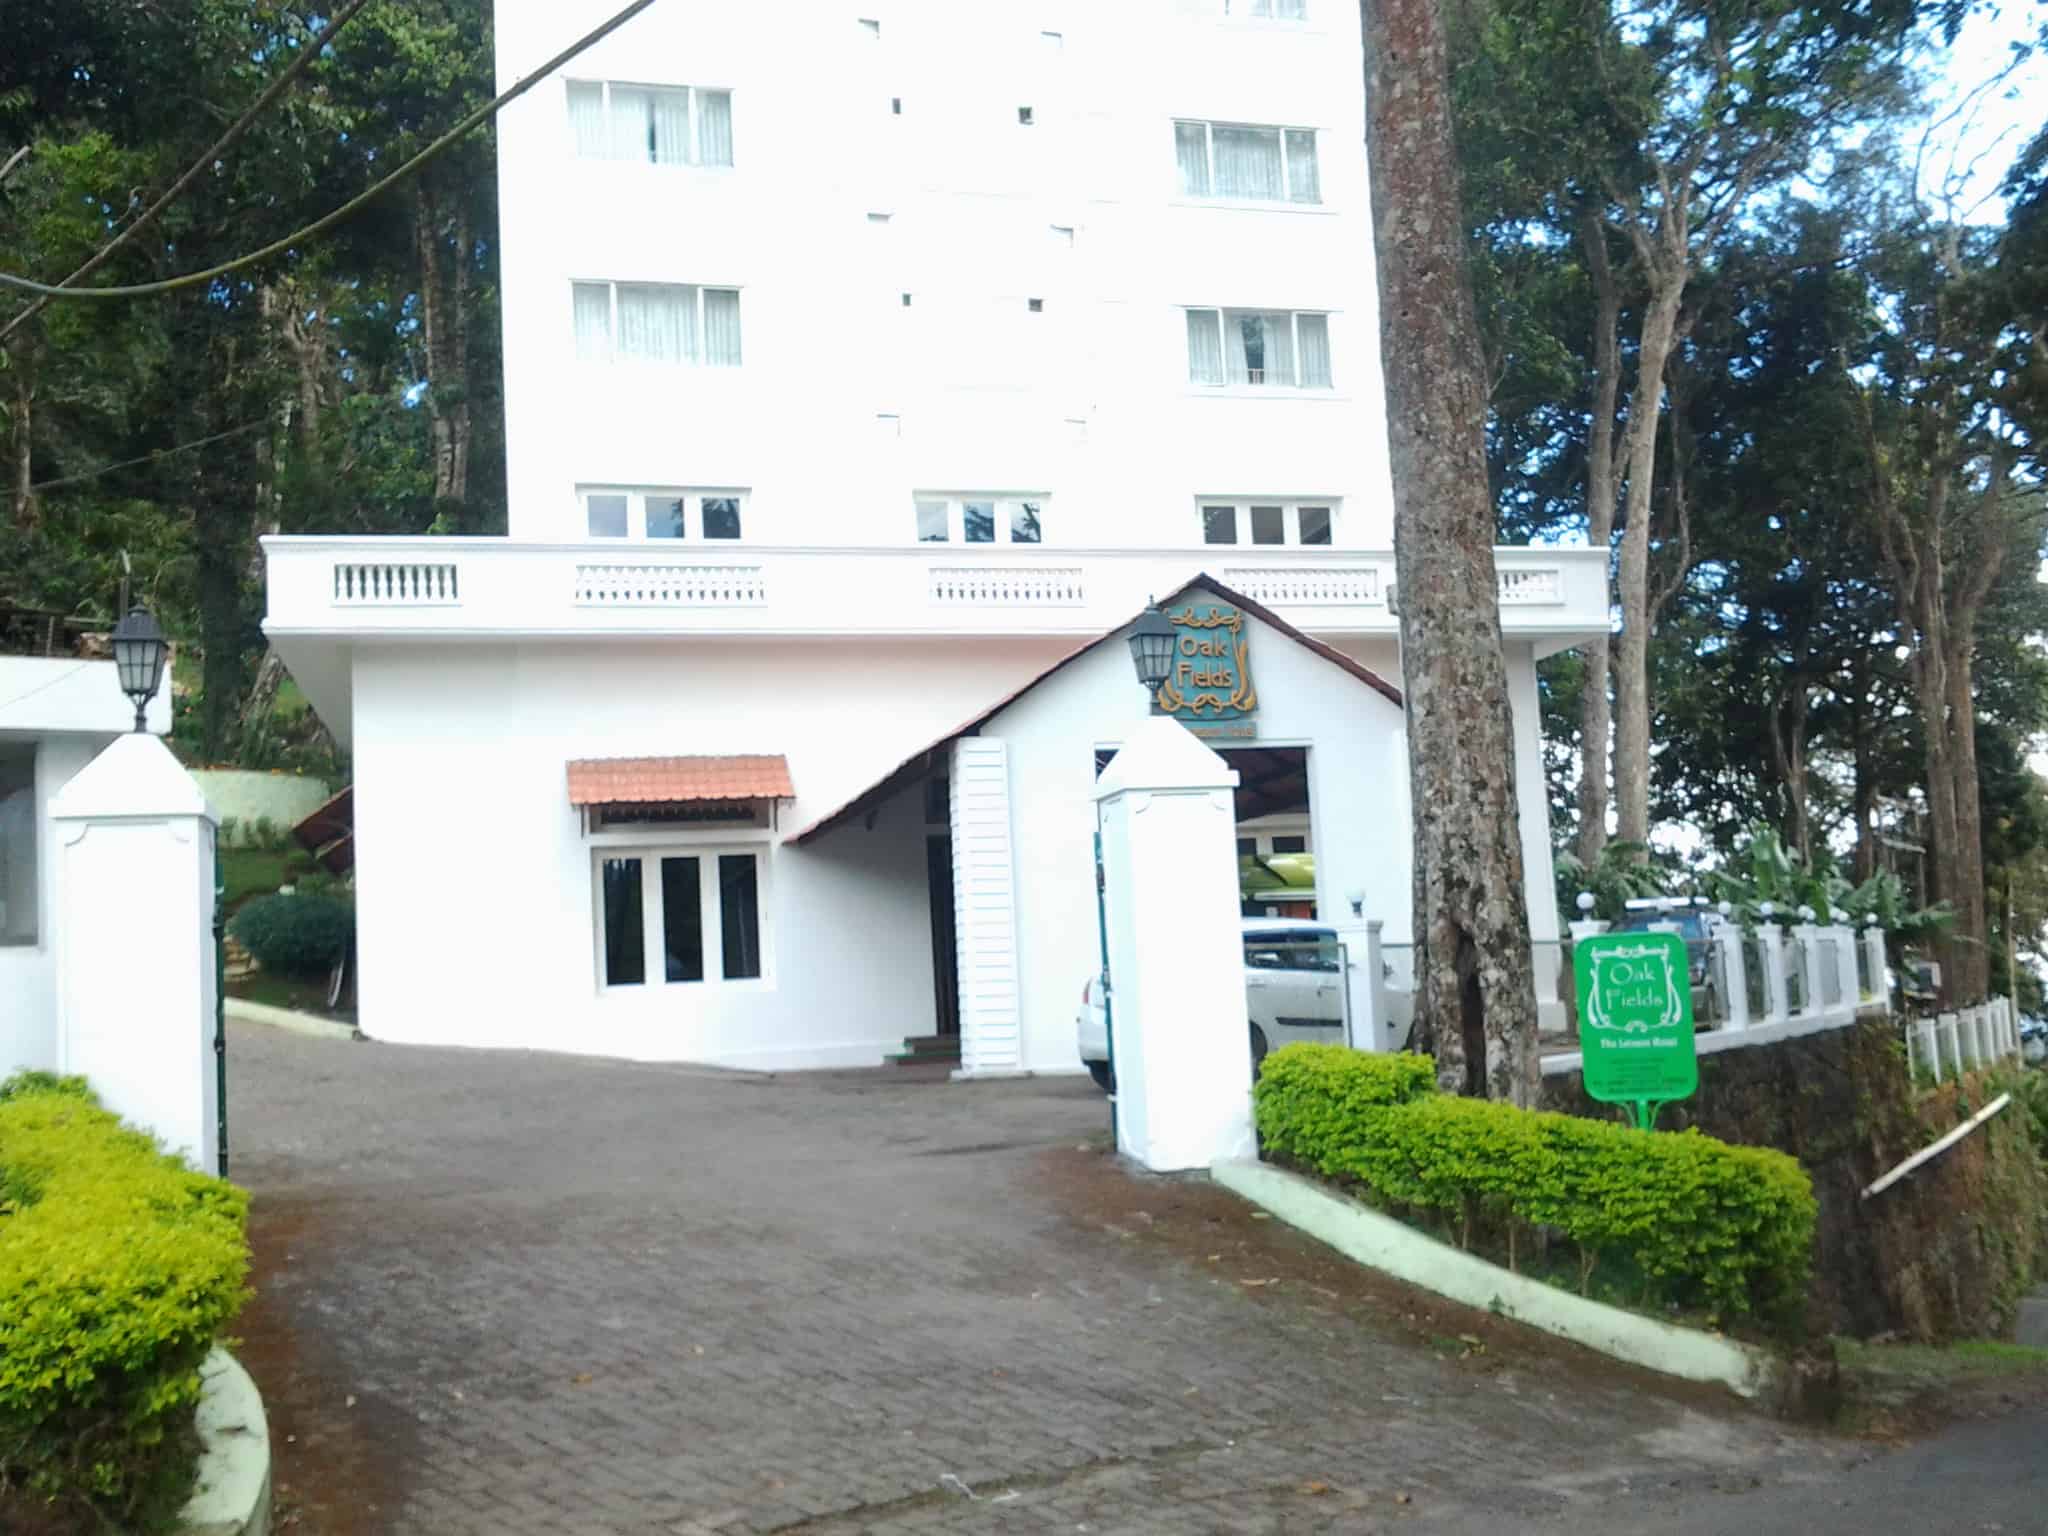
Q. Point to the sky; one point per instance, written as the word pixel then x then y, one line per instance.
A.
pixel 1990 131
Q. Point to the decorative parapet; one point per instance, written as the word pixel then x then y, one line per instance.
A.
pixel 661 585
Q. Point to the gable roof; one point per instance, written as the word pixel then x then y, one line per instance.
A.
pixel 921 762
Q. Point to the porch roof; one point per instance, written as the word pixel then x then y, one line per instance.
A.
pixel 675 780
pixel 922 761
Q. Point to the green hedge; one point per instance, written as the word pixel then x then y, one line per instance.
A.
pixel 1705 1225
pixel 118 1268
pixel 302 934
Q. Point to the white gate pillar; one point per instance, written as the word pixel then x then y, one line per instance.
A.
pixel 136 982
pixel 1176 951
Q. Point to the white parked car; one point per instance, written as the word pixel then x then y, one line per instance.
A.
pixel 1293 990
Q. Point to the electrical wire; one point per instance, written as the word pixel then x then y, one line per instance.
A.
pixel 199 167
pixel 347 209
pixel 148 458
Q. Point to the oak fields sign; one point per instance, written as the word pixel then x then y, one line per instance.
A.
pixel 1635 1020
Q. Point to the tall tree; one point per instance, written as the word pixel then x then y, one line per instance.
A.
pixel 1475 988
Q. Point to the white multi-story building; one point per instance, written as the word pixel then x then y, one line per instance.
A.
pixel 862 361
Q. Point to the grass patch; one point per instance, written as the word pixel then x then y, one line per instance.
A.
pixel 250 872
pixel 1896 1389
pixel 285 992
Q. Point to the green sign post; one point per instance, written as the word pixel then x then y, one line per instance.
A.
pixel 1635 1020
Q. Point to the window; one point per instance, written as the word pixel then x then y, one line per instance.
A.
pixel 1247 163
pixel 20 890
pixel 676 515
pixel 980 520
pixel 1290 844
pixel 657 323
pixel 653 125
pixel 1267 522
pixel 1247 847
pixel 1267 10
pixel 698 910
pixel 1258 348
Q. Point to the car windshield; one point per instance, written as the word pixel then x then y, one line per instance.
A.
pixel 1690 924
pixel 1308 949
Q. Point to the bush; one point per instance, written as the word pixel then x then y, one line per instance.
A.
pixel 118 1267
pixel 1706 1225
pixel 296 935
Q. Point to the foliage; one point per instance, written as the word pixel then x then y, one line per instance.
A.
pixel 295 935
pixel 23 1084
pixel 1764 870
pixel 1726 1228
pixel 1622 873
pixel 2032 1092
pixel 118 1268
pixel 250 872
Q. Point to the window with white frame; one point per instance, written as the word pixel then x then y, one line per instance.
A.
pixel 980 519
pixel 1246 162
pixel 693 516
pixel 657 323
pixel 1259 348
pixel 651 124
pixel 20 888
pixel 678 915
pixel 1263 520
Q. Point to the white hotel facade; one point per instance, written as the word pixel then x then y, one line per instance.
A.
pixel 864 362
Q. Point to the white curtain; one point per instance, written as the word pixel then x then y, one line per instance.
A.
pixel 1303 184
pixel 1315 351
pixel 671 113
pixel 714 127
pixel 658 322
pixel 593 321
pixel 1291 10
pixel 632 110
pixel 1279 329
pixel 1205 348
pixel 722 327
pixel 1236 360
pixel 1248 163
pixel 586 119
pixel 1191 147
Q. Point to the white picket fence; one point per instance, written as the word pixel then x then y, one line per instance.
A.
pixel 1950 1044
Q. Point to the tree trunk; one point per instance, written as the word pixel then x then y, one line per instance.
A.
pixel 444 327
pixel 1596 715
pixel 21 459
pixel 1475 989
pixel 1787 727
pixel 1632 650
pixel 1973 928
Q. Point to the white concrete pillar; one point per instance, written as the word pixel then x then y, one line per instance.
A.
pixel 135 958
pixel 1770 945
pixel 1378 1032
pixel 1951 1040
pixel 1874 962
pixel 1845 966
pixel 1930 1045
pixel 1176 951
pixel 1806 955
pixel 1734 981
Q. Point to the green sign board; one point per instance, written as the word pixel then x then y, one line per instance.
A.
pixel 1635 1020
pixel 1210 688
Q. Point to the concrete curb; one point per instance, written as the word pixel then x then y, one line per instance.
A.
pixel 241 1011
pixel 1361 1233
pixel 233 1493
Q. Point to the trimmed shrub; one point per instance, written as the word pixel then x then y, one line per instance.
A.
pixel 118 1268
pixel 1706 1225
pixel 295 935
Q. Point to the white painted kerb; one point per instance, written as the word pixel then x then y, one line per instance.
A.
pixel 232 1497
pixel 1397 1249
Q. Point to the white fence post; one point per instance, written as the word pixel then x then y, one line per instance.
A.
pixel 1807 937
pixel 1850 988
pixel 1873 947
pixel 1925 1031
pixel 135 955
pixel 1728 947
pixel 1770 940
pixel 1379 1029
pixel 1952 1041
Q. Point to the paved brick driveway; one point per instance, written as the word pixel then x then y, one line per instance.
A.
pixel 517 1294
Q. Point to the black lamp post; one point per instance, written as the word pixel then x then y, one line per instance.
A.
pixel 139 651
pixel 1152 648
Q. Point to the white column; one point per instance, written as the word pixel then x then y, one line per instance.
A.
pixel 1951 1040
pixel 1807 955
pixel 1929 1034
pixel 1377 1034
pixel 1176 951
pixel 1874 961
pixel 1845 967
pixel 1734 983
pixel 985 908
pixel 1770 943
pixel 136 982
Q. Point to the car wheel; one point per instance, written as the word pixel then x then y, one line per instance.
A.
pixel 1104 1078
pixel 1259 1049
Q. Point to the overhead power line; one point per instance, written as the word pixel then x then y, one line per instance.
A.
pixel 199 167
pixel 147 458
pixel 353 205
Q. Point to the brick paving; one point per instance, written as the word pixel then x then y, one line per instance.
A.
pixel 515 1294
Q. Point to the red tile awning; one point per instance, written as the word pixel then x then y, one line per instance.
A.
pixel 677 780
